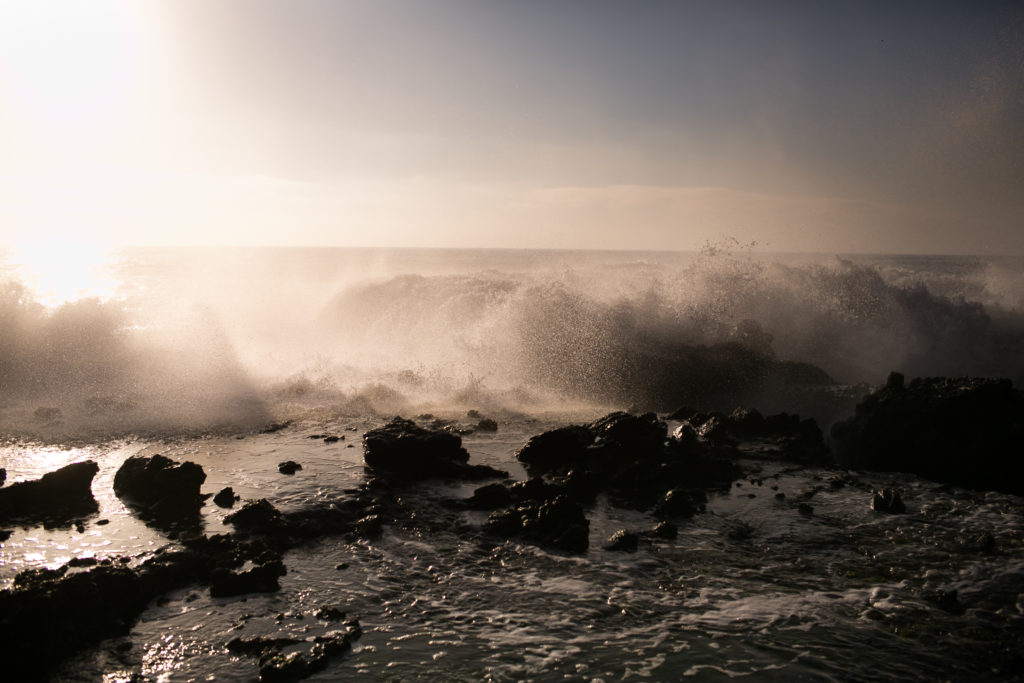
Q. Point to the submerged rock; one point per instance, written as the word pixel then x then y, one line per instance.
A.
pixel 259 579
pixel 164 492
pixel 57 497
pixel 962 431
pixel 403 451
pixel 623 541
pixel 888 500
pixel 289 467
pixel 226 497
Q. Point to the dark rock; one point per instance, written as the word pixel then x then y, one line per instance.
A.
pixel 328 613
pixel 259 579
pixel 805 509
pixel 665 530
pixel 5 534
pixel 487 425
pixel 962 431
pixel 226 497
pixel 488 497
pixel 557 450
pixel 369 526
pixel 558 523
pixel 888 500
pixel 83 562
pixel 622 541
pixel 164 492
pixel 289 467
pixel 681 503
pixel 257 516
pixel 333 439
pixel 474 414
pixel 3 476
pixel 276 427
pixel 57 497
pixel 402 451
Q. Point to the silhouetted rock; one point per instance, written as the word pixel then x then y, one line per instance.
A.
pixel 257 516
pixel 487 425
pixel 403 451
pixel 666 530
pixel 622 541
pixel 259 579
pixel 3 476
pixel 488 497
pixel 164 492
pixel 226 497
pixel 888 500
pixel 558 523
pixel 369 526
pixel 962 431
pixel 681 503
pixel 56 497
pixel 289 467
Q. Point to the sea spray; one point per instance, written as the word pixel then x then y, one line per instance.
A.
pixel 214 339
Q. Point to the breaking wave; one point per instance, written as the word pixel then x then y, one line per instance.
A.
pixel 501 331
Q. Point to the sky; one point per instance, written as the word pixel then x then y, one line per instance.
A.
pixel 793 126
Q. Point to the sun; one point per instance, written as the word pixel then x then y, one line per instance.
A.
pixel 63 271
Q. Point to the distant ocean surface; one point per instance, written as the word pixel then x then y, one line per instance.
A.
pixel 192 353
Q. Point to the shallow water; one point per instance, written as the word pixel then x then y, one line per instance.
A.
pixel 750 588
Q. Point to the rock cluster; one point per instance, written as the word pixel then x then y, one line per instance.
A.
pixel 164 493
pixel 962 431
pixel 57 497
pixel 402 451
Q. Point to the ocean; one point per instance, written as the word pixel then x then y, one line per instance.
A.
pixel 193 353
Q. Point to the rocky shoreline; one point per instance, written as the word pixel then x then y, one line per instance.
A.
pixel 925 427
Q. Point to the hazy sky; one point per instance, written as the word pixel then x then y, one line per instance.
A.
pixel 807 126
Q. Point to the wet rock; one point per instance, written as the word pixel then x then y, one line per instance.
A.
pixel 257 516
pixel 487 425
pixel 226 497
pixel 3 476
pixel 277 667
pixel 681 503
pixel 288 467
pixel 259 579
pixel 328 613
pixel 622 541
pixel 164 492
pixel 488 497
pixel 962 431
pixel 276 427
pixel 56 497
pixel 370 526
pixel 558 523
pixel 665 530
pixel 402 451
pixel 557 450
pixel 888 500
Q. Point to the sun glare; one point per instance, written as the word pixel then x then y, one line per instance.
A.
pixel 62 272
pixel 65 61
